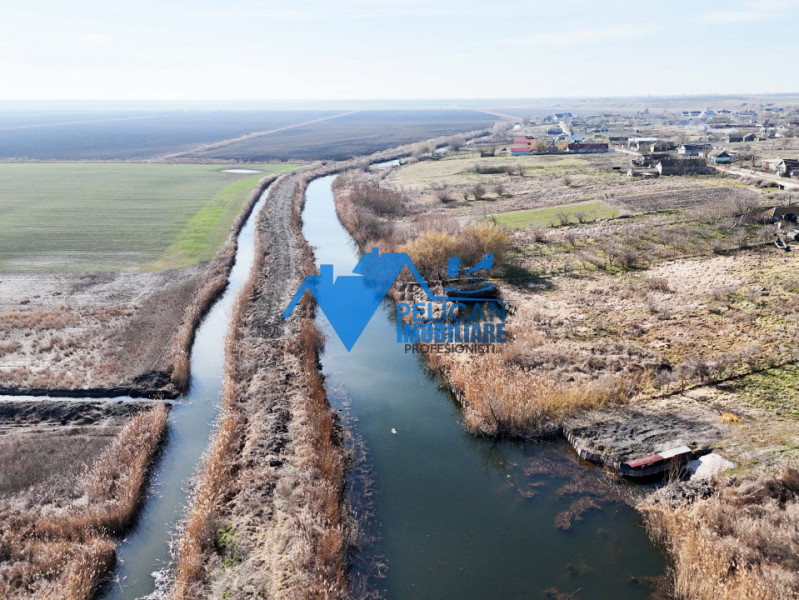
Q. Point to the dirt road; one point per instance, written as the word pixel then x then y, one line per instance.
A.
pixel 750 174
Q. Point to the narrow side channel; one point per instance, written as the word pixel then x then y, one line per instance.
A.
pixel 144 556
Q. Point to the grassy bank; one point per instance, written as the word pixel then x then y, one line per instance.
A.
pixel 212 285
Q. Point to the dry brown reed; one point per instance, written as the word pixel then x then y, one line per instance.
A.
pixel 67 552
pixel 741 543
pixel 302 551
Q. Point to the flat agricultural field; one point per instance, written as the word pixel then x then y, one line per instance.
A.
pixel 118 216
pixel 131 135
pixel 360 133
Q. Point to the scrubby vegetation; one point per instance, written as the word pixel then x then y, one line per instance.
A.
pixel 62 518
pixel 431 249
pixel 740 542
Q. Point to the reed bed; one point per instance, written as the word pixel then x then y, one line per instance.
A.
pixel 65 549
pixel 740 543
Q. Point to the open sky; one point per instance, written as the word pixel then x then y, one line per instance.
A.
pixel 372 49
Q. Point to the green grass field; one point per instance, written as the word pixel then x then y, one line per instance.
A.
pixel 117 216
pixel 553 215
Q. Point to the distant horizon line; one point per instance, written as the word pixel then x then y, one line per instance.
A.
pixel 414 99
pixel 499 106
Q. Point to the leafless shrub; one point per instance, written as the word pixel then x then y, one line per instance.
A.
pixel 444 195
pixel 381 202
pixel 490 169
pixel 371 227
pixel 456 142
pixel 571 238
pixel 657 284
pixel 538 234
pixel 693 370
pixel 478 191
pixel 422 149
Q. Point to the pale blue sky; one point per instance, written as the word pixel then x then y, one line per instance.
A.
pixel 275 49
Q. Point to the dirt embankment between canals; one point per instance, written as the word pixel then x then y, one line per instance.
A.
pixel 109 334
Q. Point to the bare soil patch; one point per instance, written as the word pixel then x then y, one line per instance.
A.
pixel 100 334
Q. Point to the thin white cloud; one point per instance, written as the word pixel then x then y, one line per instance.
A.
pixel 342 10
pixel 750 12
pixel 586 36
pixel 724 17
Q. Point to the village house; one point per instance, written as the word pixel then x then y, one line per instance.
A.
pixel 683 166
pixel 723 157
pixel 619 141
pixel 788 166
pixel 694 149
pixel 586 148
pixel 638 143
pixel 522 145
pixel 660 146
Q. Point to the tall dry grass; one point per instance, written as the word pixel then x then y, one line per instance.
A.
pixel 431 250
pixel 64 549
pixel 197 538
pixel 116 482
pixel 741 543
pixel 499 399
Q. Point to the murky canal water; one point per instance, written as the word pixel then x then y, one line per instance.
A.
pixel 458 517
